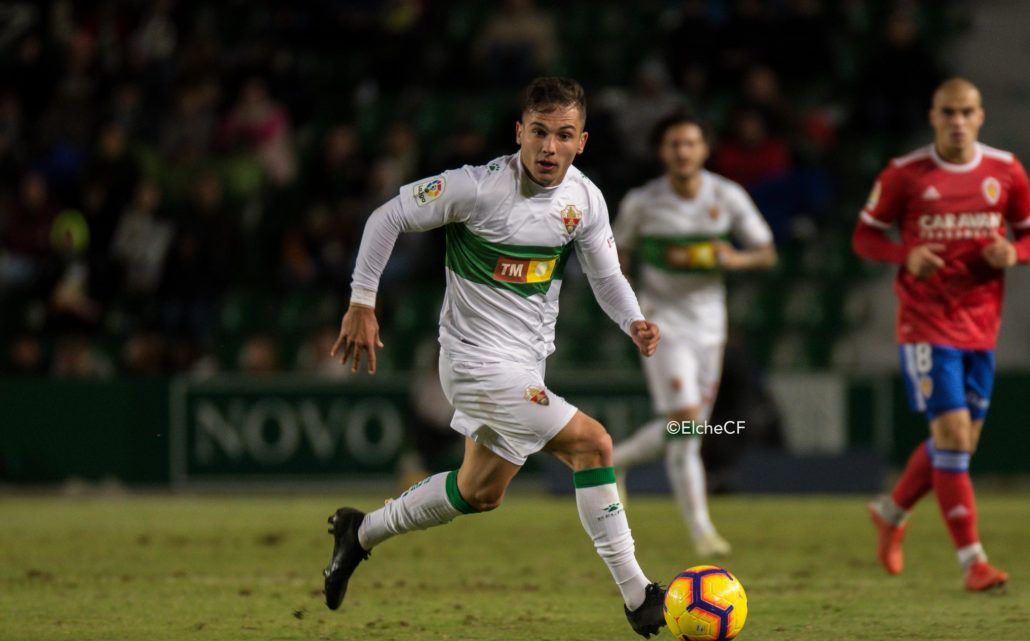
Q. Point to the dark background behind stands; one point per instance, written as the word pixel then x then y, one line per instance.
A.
pixel 183 186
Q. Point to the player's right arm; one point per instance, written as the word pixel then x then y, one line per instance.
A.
pixel 420 206
pixel 870 239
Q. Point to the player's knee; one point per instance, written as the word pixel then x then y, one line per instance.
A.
pixel 953 431
pixel 485 498
pixel 596 449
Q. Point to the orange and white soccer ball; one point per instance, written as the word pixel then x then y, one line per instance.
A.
pixel 705 603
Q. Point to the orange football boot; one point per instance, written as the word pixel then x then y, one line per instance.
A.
pixel 888 544
pixel 983 576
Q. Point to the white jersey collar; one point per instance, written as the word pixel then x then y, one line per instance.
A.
pixel 701 189
pixel 956 167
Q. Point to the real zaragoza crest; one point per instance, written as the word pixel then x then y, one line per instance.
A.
pixel 570 217
pixel 992 190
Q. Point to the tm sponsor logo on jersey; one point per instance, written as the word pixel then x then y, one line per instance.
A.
pixel 948 226
pixel 429 191
pixel 523 270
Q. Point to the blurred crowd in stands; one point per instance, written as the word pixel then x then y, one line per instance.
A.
pixel 183 184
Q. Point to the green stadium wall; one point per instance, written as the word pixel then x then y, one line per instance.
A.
pixel 232 429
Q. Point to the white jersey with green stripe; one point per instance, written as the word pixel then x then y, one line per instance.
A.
pixel 508 240
pixel 681 285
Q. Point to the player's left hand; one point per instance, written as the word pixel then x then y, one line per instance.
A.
pixel 645 336
pixel 727 256
pixel 359 334
pixel 1000 253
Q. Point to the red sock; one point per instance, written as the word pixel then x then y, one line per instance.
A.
pixel 916 480
pixel 955 497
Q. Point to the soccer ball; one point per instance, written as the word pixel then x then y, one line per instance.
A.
pixel 705 603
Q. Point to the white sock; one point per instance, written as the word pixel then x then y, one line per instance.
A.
pixel 432 501
pixel 686 473
pixel 643 446
pixel 970 554
pixel 604 519
pixel 891 511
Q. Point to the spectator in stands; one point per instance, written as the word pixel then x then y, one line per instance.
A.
pixel 752 154
pixel 692 47
pixel 259 355
pixel 141 242
pixel 313 355
pixel 26 235
pixel 26 356
pixel 517 43
pixel 70 303
pixel 11 145
pixel 651 98
pixel 198 268
pixel 144 354
pixel 260 125
pixel 743 41
pixel 75 357
pixel 113 166
pixel 896 79
pixel 339 170
pixel 186 137
pixel 802 49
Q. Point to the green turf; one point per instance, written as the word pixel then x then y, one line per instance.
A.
pixel 221 569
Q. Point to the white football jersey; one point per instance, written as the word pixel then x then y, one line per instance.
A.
pixel 508 241
pixel 681 284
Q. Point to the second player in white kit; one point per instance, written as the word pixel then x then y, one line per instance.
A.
pixel 680 227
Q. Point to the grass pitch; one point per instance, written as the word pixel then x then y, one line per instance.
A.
pixel 230 568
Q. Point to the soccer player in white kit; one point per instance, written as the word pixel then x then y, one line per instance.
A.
pixel 510 227
pixel 679 225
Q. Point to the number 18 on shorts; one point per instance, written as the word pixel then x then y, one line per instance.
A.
pixel 941 379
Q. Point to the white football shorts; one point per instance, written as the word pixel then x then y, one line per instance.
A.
pixel 505 407
pixel 683 374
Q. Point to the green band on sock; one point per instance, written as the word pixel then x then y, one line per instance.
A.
pixel 454 496
pixel 593 477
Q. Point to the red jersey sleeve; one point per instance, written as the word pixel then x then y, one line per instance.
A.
pixel 887 199
pixel 1018 212
pixel 884 206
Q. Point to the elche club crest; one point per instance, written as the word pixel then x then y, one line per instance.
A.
pixel 570 217
pixel 991 189
pixel 537 395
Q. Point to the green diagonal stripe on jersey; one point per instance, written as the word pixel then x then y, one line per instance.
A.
pixel 681 253
pixel 523 269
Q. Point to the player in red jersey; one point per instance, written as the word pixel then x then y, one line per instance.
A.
pixel 953 202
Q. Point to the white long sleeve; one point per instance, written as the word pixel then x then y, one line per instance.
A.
pixel 412 210
pixel 616 298
pixel 377 241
